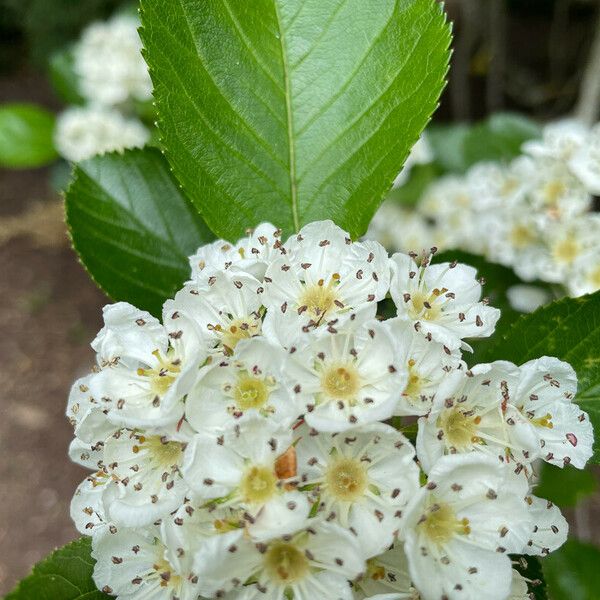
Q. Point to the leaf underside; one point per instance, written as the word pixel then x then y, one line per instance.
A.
pixel 132 226
pixel 292 110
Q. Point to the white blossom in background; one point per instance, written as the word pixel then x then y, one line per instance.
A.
pixel 83 132
pixel 535 214
pixel 527 298
pixel 109 63
pixel 250 445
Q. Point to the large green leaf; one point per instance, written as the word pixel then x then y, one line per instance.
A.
pixel 292 110
pixel 26 134
pixel 132 226
pixel 572 572
pixel 64 575
pixel 568 329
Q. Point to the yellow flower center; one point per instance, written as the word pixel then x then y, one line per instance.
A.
pixel 521 236
pixel 341 381
pixel 258 484
pixel 285 563
pixel 440 525
pixel 423 304
pixel 237 330
pixel 319 299
pixel 164 374
pixel 250 392
pixel 346 479
pixel 460 430
pixel 165 571
pixel 164 454
pixel 566 251
pixel 553 191
pixel 415 383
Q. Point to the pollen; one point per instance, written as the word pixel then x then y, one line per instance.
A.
pixel 423 305
pixel 346 479
pixel 566 251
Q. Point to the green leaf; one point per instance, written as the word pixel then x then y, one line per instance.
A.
pixel 568 329
pixel 292 110
pixel 63 77
pixel 64 575
pixel 565 487
pixel 26 136
pixel 572 572
pixel 499 138
pixel 132 227
pixel 419 178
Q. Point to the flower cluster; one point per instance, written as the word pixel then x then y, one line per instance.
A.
pixel 534 215
pixel 112 78
pixel 251 445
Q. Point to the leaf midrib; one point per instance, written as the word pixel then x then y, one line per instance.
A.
pixel 290 124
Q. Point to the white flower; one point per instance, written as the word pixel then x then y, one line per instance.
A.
pixel 145 372
pixel 584 275
pixel 137 565
pixel 555 193
pixel 544 395
pixel 145 481
pixel 442 300
pixel 222 308
pixel 246 469
pixel 252 382
pixel 585 162
pixel 428 363
pixel 567 243
pixel 90 425
pixel 87 508
pixel 252 253
pixel 322 281
pixel 400 229
pixel 548 529
pixel 519 589
pixel 386 578
pixel 461 527
pixel 471 412
pixel 315 562
pixel 83 132
pixel 109 63
pixel 527 298
pixel 560 140
pixel 348 379
pixel 362 479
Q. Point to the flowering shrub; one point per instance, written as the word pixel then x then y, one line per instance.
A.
pixel 534 214
pixel 296 414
